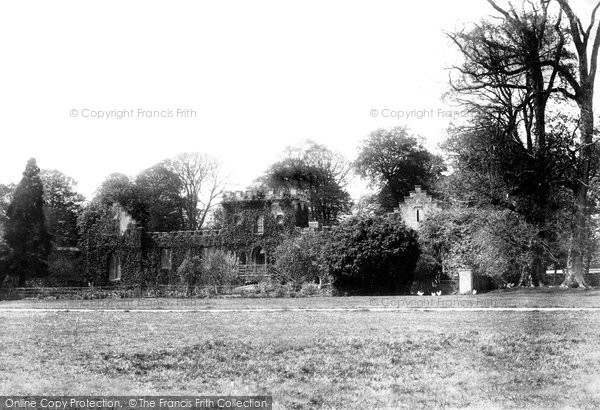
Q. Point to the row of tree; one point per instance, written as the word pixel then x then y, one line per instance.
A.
pixel 44 213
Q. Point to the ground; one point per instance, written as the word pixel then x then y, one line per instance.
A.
pixel 383 352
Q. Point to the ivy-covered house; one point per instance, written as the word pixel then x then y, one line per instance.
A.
pixel 117 249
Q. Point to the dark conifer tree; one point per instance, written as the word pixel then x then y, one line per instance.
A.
pixel 26 232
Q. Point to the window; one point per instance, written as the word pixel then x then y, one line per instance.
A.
pixel 419 215
pixel 114 268
pixel 260 225
pixel 165 258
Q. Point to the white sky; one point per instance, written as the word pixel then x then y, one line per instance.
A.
pixel 261 75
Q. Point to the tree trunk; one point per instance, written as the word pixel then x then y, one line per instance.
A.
pixel 578 247
pixel 524 278
pixel 537 271
pixel 574 277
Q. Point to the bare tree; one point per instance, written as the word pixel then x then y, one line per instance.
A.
pixel 202 184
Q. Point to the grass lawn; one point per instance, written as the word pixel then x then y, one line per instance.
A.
pixel 525 297
pixel 410 358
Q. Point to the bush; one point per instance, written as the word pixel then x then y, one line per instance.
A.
pixel 300 259
pixel 498 244
pixel 373 255
pixel 190 270
pixel 219 268
pixel 310 289
pixel 65 269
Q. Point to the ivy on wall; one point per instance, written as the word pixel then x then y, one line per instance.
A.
pixel 182 245
pixel 241 225
pixel 140 252
pixel 101 237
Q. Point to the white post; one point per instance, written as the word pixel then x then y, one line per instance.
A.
pixel 465 281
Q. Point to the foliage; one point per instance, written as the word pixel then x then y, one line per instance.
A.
pixel 6 194
pixel 320 172
pixel 239 219
pixel 5 253
pixel 447 237
pixel 190 270
pixel 26 232
pixel 496 243
pixel 373 255
pixel 395 161
pixel 101 237
pixel 219 268
pixel 368 205
pixel 310 289
pixel 62 207
pixel 301 258
pixel 160 190
pixel 65 269
pixel 118 188
pixel 428 274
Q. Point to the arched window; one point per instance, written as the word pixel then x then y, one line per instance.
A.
pixel 114 268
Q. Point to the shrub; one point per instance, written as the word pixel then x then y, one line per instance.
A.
pixel 190 270
pixel 219 268
pixel 302 258
pixel 310 289
pixel 373 255
pixel 494 243
pixel 65 269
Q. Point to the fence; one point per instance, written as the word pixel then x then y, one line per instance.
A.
pixel 155 291
pixel 555 278
pixel 102 292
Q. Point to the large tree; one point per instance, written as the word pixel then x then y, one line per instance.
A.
pixel 160 189
pixel 202 183
pixel 62 207
pixel 119 189
pixel 517 71
pixel 320 172
pixel 26 232
pixel 394 161
pixel 582 80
